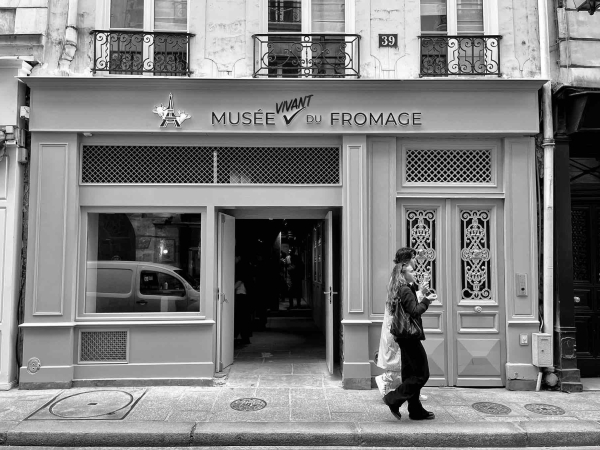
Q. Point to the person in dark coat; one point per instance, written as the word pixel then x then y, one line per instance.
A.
pixel 415 368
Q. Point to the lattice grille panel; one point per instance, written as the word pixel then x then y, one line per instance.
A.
pixel 470 166
pixel 210 165
pixel 109 346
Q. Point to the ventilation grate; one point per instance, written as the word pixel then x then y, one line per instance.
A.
pixel 210 165
pixel 471 166
pixel 103 346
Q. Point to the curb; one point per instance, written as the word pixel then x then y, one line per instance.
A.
pixel 65 433
pixel 88 433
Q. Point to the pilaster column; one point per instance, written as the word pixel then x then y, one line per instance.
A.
pixel 355 279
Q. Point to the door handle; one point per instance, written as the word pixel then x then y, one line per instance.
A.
pixel 577 299
pixel 478 309
pixel 142 302
pixel 330 293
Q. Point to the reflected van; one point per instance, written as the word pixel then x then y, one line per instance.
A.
pixel 138 287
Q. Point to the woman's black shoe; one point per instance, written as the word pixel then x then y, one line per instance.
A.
pixel 394 409
pixel 425 415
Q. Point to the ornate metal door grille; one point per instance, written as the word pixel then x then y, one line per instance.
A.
pixel 475 255
pixel 457 166
pixel 103 346
pixel 210 165
pixel 421 226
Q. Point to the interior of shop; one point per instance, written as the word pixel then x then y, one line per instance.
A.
pixel 280 263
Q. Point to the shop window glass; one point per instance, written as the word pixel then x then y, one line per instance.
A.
pixel 143 263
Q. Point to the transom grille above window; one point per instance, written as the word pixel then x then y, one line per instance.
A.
pixel 210 165
pixel 103 346
pixel 456 166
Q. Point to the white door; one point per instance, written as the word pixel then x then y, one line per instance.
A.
pixel 460 246
pixel 328 289
pixel 226 292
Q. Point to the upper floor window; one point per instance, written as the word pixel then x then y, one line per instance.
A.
pixel 150 15
pixel 307 39
pixel 307 16
pixel 457 38
pixel 452 17
pixel 144 37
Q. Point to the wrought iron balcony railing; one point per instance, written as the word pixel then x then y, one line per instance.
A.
pixel 141 52
pixel 459 55
pixel 319 55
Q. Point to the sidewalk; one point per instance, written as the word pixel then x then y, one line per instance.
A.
pixel 304 407
pixel 293 402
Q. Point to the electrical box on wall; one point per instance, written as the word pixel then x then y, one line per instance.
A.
pixel 541 348
pixel 521 284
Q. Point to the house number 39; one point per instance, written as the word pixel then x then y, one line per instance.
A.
pixel 388 40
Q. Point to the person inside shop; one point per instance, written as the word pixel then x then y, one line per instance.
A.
pixel 295 276
pixel 242 322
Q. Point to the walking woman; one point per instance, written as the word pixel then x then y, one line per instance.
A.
pixel 388 356
pixel 415 368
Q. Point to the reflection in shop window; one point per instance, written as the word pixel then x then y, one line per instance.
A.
pixel 143 262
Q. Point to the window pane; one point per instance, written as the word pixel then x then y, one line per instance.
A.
pixel 143 262
pixel 127 14
pixel 170 15
pixel 433 16
pixel 470 16
pixel 328 16
pixel 285 16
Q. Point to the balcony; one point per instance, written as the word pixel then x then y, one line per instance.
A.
pixel 141 52
pixel 459 55
pixel 322 55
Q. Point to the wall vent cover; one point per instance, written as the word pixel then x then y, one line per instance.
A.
pixel 102 164
pixel 103 346
pixel 456 166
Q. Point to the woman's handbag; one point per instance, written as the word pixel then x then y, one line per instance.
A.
pixel 404 326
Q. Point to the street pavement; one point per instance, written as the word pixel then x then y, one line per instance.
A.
pixel 276 397
pixel 300 407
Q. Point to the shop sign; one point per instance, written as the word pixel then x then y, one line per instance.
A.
pixel 288 111
pixel 167 114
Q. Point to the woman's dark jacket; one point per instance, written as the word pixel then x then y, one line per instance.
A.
pixel 408 298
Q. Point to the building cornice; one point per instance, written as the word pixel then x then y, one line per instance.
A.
pixel 266 84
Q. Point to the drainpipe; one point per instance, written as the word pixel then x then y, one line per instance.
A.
pixel 548 144
pixel 70 42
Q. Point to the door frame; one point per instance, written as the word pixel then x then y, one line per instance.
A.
pixel 289 213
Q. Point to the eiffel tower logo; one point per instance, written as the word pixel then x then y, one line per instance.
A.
pixel 168 116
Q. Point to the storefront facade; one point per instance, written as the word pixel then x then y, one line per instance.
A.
pixel 446 166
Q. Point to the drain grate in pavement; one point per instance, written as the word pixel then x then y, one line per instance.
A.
pixel 248 404
pixel 491 408
pixel 101 404
pixel 546 410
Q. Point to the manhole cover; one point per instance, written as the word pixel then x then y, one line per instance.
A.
pixel 248 404
pixel 90 404
pixel 491 408
pixel 546 410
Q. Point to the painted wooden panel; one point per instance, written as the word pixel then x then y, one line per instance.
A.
pixel 2 259
pixel 477 322
pixel 382 220
pixel 50 240
pixel 432 322
pixel 3 178
pixel 436 355
pixel 478 358
pixel 355 223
